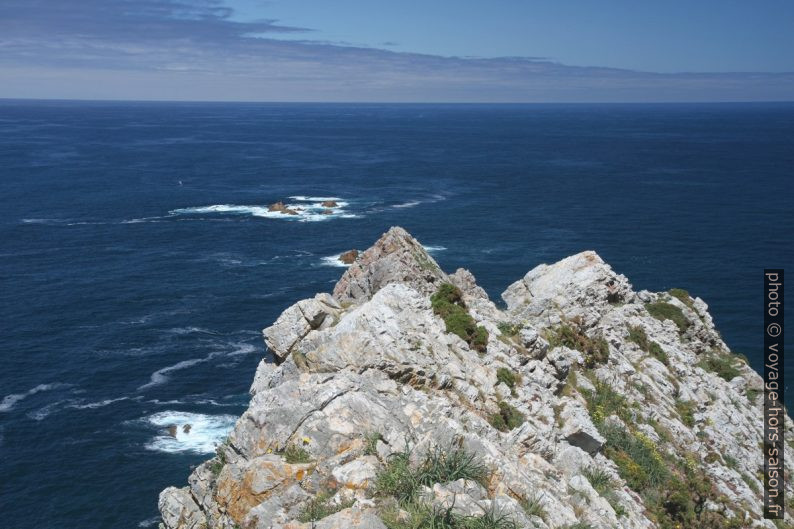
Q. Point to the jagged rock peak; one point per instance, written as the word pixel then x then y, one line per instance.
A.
pixel 395 257
pixel 582 284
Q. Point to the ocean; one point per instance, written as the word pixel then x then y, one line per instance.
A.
pixel 139 262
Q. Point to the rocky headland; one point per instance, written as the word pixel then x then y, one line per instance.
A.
pixel 408 399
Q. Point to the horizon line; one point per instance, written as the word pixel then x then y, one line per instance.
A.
pixel 406 102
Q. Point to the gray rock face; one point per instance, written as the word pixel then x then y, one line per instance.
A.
pixel 395 258
pixel 370 372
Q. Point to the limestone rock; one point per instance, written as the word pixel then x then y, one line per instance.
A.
pixel 371 373
pixel 395 257
pixel 578 429
pixel 179 510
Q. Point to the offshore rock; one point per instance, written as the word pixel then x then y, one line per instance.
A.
pixel 349 256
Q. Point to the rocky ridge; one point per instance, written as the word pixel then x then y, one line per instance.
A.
pixel 590 405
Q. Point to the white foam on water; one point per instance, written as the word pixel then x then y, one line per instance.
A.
pixel 179 331
pixel 46 411
pixel 309 209
pixel 333 260
pixel 204 434
pixel 143 219
pixel 161 375
pixel 410 204
pixel 99 404
pixel 42 221
pixel 151 522
pixel 434 249
pixel 242 349
pixel 9 401
pixel 304 198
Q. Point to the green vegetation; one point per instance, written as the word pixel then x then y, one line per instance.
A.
pixel 422 516
pixel 752 394
pixel 425 262
pixel 217 465
pixel 638 460
pixel 723 365
pixel 603 484
pixel 579 525
pixel 663 433
pixel 448 303
pixel 667 311
pixel 683 296
pixel 533 506
pixel 294 454
pixel 401 481
pixel 686 409
pixel 509 378
pixel 637 335
pixel 750 483
pixel 673 489
pixel 320 506
pixel 219 461
pixel 573 336
pixel 599 479
pixel 509 329
pixel 371 443
pixel 605 401
pixel 507 419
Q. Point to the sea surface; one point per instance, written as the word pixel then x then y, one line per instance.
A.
pixel 139 262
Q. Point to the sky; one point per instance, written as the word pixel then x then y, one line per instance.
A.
pixel 383 51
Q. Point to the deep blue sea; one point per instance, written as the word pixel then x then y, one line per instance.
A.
pixel 138 263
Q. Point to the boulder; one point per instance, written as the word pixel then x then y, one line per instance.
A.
pixel 349 256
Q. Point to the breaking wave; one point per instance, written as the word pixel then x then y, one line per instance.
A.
pixel 307 209
pixel 188 432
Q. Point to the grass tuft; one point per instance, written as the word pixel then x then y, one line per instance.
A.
pixel 320 507
pixel 448 303
pixel 533 506
pixel 667 311
pixel 573 336
pixel 509 378
pixel 509 329
pixel 371 443
pixel 294 454
pixel 422 516
pixel 402 481
pixel 683 296
pixel 638 335
pixel 686 409
pixel 723 365
pixel 507 419
pixel 605 401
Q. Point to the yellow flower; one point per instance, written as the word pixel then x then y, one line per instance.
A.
pixel 269 450
pixel 306 440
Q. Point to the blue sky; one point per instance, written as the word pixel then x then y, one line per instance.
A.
pixel 352 50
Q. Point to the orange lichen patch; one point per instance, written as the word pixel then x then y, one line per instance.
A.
pixel 357 486
pixel 350 444
pixel 263 477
